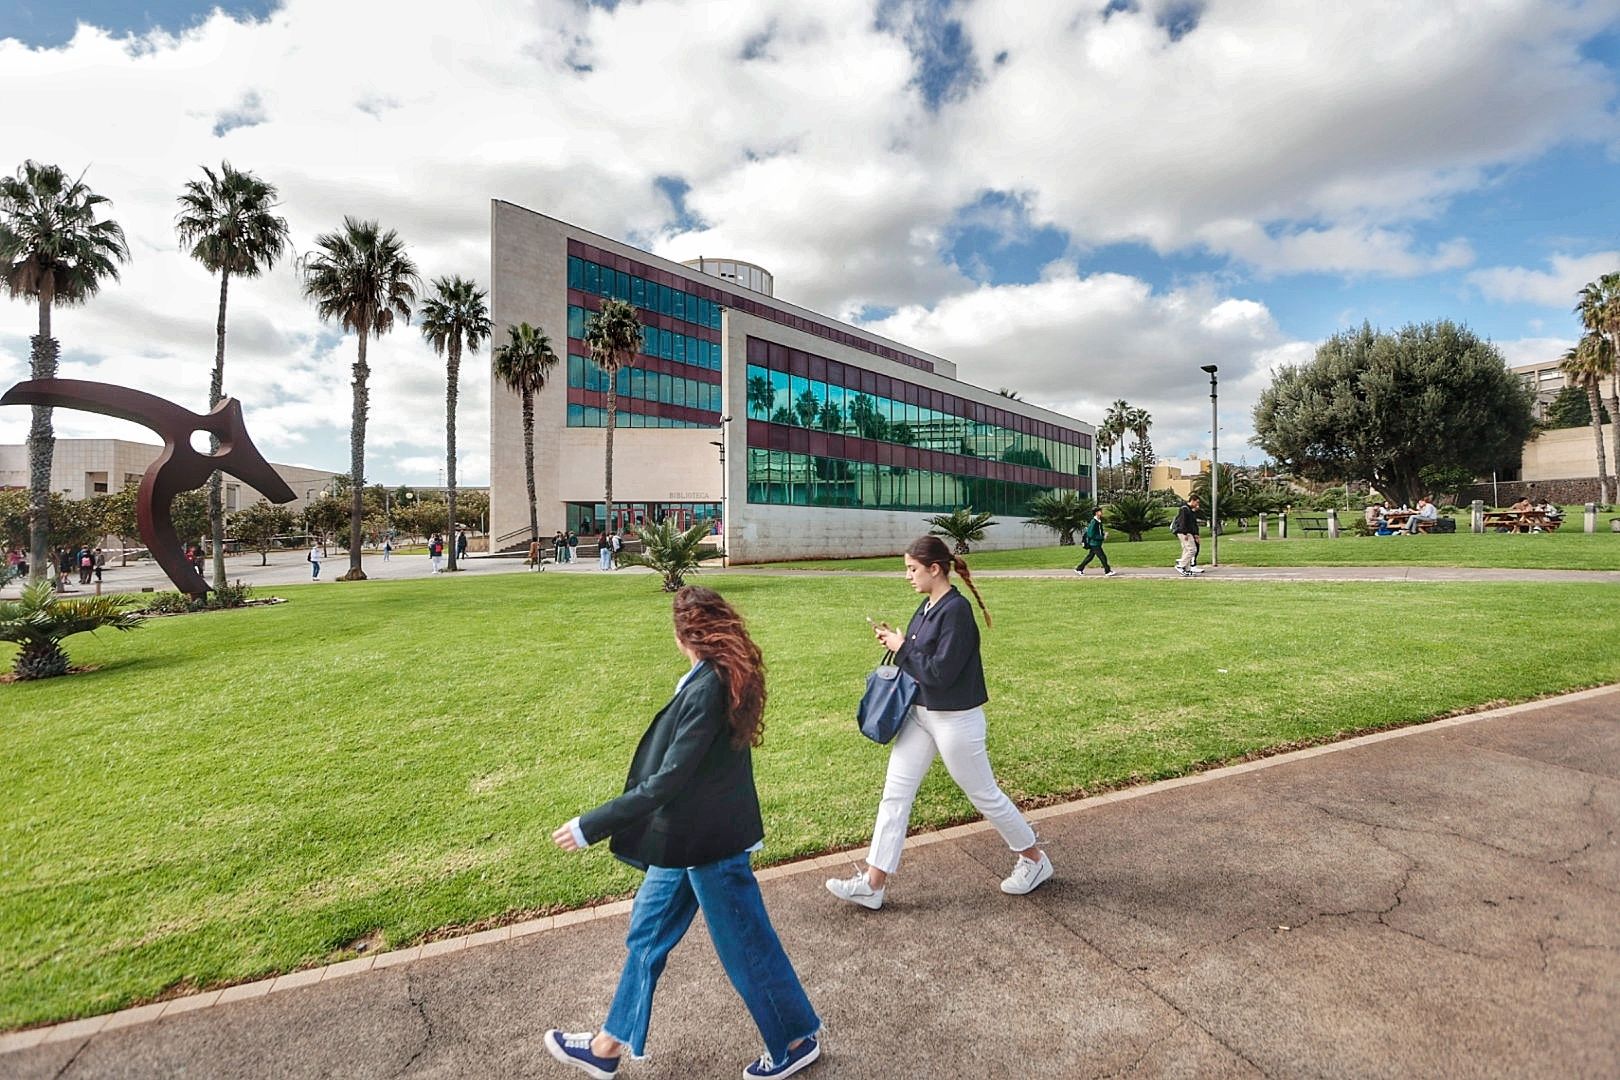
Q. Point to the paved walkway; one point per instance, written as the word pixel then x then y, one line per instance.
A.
pixel 290 568
pixel 1434 902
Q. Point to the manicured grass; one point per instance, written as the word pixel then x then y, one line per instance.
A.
pixel 239 793
pixel 1567 549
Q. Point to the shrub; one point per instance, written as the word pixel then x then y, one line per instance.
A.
pixel 1136 514
pixel 38 622
pixel 673 552
pixel 1064 512
pixel 962 526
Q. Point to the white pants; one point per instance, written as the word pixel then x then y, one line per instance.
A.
pixel 1189 549
pixel 958 737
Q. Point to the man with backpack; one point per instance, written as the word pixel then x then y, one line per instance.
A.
pixel 1092 540
pixel 1185 528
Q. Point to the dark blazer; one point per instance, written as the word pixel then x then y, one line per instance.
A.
pixel 941 652
pixel 689 799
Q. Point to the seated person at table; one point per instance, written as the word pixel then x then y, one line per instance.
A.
pixel 1521 506
pixel 1374 515
pixel 1426 511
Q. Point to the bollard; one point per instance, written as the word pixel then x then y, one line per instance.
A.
pixel 1282 525
pixel 1591 517
pixel 1333 524
pixel 1260 527
pixel 1476 516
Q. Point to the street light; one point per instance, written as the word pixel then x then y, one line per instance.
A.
pixel 725 507
pixel 1214 469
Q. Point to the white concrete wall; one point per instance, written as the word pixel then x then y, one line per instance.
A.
pixel 1566 454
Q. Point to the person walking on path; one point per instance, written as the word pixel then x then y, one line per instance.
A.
pixel 436 552
pixel 1185 528
pixel 689 817
pixel 101 564
pixel 940 649
pixel 604 551
pixel 1092 540
pixel 316 554
pixel 461 545
pixel 388 548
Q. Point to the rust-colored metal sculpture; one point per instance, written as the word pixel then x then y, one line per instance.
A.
pixel 180 467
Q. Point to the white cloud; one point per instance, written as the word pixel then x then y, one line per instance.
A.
pixel 1280 138
pixel 1558 286
pixel 1537 350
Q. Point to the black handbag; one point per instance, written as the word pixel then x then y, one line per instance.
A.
pixel 890 695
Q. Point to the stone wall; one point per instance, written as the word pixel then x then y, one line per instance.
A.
pixel 1575 492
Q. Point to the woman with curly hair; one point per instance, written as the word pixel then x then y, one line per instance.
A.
pixel 689 817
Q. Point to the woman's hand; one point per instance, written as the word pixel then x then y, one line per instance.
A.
pixel 563 837
pixel 889 638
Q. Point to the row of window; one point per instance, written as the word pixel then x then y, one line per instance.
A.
pixel 780 398
pixel 583 374
pixel 599 280
pixel 667 344
pixel 786 478
pixel 592 416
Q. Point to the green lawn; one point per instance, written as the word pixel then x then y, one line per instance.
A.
pixel 1567 549
pixel 238 793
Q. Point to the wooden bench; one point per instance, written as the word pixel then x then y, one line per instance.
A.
pixel 1521 521
pixel 1312 524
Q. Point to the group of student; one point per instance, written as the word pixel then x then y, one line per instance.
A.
pixel 85 561
pixel 1378 516
pixel 690 818
pixel 1184 527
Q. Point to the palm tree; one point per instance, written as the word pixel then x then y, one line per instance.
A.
pixel 1064 512
pixel 1135 514
pixel 1584 366
pixel 226 220
pixel 38 622
pixel 1010 395
pixel 1139 420
pixel 1117 422
pixel 522 365
pixel 614 337
pixel 362 279
pixel 453 318
pixel 1599 309
pixel 1104 441
pixel 674 553
pixel 52 250
pixel 963 526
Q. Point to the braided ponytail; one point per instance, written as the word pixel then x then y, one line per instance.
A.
pixel 931 551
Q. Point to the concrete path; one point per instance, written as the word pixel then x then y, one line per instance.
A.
pixel 1259 573
pixel 1434 902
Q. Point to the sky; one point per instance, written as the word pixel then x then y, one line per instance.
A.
pixel 1081 202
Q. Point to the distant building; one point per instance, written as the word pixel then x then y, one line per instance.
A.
pixel 1545 379
pixel 1178 476
pixel 81 468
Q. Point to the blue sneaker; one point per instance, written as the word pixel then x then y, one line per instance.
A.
pixel 797 1058
pixel 574 1048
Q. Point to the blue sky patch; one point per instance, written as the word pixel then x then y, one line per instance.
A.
pixel 50 23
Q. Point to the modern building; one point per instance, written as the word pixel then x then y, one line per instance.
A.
pixel 1178 476
pixel 1546 379
pixel 81 468
pixel 797 435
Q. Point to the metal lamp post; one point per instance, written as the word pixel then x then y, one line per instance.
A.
pixel 1214 469
pixel 725 505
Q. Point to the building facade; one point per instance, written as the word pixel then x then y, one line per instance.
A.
pixel 81 468
pixel 1545 379
pixel 797 435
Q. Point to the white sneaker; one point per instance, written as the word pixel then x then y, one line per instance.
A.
pixel 856 890
pixel 1110 573
pixel 1027 875
pixel 1196 569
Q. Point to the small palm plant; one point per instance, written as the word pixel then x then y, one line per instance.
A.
pixel 38 622
pixel 672 551
pixel 963 526
pixel 1135 513
pixel 1064 512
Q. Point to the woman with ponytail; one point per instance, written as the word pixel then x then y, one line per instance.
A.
pixel 940 649
pixel 689 817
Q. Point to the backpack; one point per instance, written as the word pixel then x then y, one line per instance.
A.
pixel 616 543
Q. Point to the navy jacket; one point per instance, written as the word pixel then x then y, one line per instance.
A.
pixel 689 799
pixel 941 652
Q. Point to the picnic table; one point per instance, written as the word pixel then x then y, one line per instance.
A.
pixel 1398 519
pixel 1522 521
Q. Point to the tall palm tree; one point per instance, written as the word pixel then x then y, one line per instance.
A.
pixel 1117 421
pixel 1104 442
pixel 1139 421
pixel 1599 309
pixel 614 337
pixel 361 278
pixel 523 365
pixel 227 221
pixel 1584 366
pixel 55 251
pixel 453 318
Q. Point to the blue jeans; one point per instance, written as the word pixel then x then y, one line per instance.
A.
pixel 743 937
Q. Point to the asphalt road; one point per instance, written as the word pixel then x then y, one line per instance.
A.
pixel 1440 903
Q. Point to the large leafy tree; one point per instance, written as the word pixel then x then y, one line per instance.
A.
pixel 56 250
pixel 455 317
pixel 1584 366
pixel 1599 309
pixel 1383 406
pixel 260 525
pixel 228 222
pixel 523 365
pixel 362 279
pixel 614 338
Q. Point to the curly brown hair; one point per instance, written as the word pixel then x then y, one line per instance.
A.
pixel 712 628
